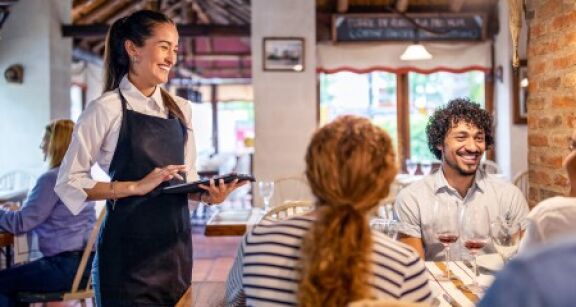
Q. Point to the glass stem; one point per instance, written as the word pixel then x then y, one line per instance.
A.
pixel 475 271
pixel 447 253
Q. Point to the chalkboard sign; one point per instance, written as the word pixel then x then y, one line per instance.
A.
pixel 394 27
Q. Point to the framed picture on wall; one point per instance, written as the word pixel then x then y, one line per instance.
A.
pixel 283 54
pixel 520 93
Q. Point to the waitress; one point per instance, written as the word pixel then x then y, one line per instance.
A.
pixel 142 137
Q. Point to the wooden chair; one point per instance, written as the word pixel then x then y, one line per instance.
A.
pixel 521 181
pixel 75 293
pixel 288 210
pixel 15 180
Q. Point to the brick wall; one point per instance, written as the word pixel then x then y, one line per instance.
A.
pixel 552 93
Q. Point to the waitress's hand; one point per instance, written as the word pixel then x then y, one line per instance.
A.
pixel 218 193
pixel 157 176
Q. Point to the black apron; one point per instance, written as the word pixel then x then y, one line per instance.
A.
pixel 145 244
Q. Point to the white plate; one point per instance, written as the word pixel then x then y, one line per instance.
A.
pixel 492 262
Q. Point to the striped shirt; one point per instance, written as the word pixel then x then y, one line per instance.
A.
pixel 265 272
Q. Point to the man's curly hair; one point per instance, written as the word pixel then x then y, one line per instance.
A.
pixel 456 111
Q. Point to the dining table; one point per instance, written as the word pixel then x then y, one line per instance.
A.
pixel 456 292
pixel 232 222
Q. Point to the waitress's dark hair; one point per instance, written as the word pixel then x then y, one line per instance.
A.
pixel 137 28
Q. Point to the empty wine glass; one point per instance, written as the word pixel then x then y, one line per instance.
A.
pixel 426 167
pixel 506 236
pixel 411 166
pixel 446 228
pixel 386 226
pixel 475 232
pixel 266 189
pixel 386 211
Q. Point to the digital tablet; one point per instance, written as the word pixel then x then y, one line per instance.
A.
pixel 194 187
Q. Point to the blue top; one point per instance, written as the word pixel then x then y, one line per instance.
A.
pixel 544 277
pixel 58 230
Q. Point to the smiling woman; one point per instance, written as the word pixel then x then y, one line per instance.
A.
pixel 143 138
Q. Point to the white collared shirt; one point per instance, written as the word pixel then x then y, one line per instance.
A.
pixel 552 219
pixel 415 207
pixel 96 136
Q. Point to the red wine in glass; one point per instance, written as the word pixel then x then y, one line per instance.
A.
pixel 447 238
pixel 475 245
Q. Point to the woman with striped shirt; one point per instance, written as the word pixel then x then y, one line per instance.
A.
pixel 330 257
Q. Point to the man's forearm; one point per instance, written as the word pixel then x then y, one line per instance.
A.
pixel 413 242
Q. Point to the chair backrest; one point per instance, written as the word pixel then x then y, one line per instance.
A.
pixel 87 292
pixel 294 188
pixel 490 167
pixel 521 181
pixel 288 210
pixel 15 180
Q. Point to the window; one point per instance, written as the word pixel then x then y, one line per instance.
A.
pixel 374 95
pixel 235 126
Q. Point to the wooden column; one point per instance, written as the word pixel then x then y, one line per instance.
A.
pixel 214 102
pixel 403 119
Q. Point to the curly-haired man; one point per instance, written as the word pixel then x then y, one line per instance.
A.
pixel 458 134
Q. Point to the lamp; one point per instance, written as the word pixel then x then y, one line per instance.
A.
pixel 415 52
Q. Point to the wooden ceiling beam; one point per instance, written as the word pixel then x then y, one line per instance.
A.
pixel 105 12
pixel 185 30
pixel 401 5
pixel 215 15
pixel 203 18
pixel 170 11
pixel 82 10
pixel 342 6
pixel 127 10
pixel 456 5
pixel 229 11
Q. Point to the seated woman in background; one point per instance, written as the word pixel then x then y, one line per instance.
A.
pixel 331 257
pixel 61 235
pixel 555 217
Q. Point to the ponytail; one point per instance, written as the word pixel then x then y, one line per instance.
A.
pixel 350 164
pixel 116 61
pixel 337 248
pixel 175 111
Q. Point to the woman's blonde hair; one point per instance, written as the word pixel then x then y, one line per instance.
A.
pixel 350 164
pixel 59 135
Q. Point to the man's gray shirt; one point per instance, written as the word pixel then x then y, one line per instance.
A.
pixel 415 207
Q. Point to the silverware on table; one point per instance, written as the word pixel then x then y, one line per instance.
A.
pixel 481 270
pixel 450 300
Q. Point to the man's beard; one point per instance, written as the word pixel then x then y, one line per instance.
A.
pixel 461 172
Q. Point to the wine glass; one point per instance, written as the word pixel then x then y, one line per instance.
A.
pixel 386 226
pixel 506 235
pixel 446 228
pixel 411 166
pixel 266 189
pixel 426 167
pixel 475 232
